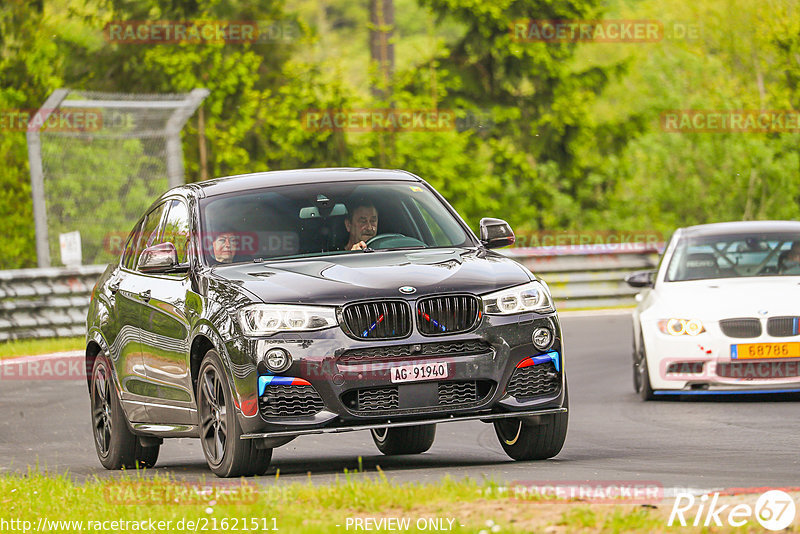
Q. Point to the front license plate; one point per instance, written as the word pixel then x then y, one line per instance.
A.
pixel 758 351
pixel 419 371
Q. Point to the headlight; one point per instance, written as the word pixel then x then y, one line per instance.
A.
pixel 265 319
pixel 525 298
pixel 681 327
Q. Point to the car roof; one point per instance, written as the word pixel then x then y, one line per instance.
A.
pixel 740 227
pixel 258 180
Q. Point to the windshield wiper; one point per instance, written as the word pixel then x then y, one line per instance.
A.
pixel 402 248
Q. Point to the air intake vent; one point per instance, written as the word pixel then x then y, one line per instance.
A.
pixel 534 381
pixel 439 316
pixel 741 328
pixel 377 399
pixel 378 320
pixel 290 401
pixel 394 352
pixel 389 401
pixel 783 326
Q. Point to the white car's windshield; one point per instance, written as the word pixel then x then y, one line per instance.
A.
pixel 735 256
pixel 325 219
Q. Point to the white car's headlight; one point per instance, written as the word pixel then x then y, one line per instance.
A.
pixel 265 319
pixel 532 296
pixel 681 327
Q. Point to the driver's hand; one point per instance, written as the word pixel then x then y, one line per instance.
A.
pixel 359 246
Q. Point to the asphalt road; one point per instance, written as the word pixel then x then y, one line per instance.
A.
pixel 613 436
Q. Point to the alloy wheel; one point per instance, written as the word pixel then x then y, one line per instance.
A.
pixel 101 409
pixel 213 412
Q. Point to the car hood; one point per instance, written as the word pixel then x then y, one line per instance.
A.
pixel 336 280
pixel 730 297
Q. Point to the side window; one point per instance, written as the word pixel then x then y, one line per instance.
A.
pixel 150 231
pixel 176 229
pixel 130 246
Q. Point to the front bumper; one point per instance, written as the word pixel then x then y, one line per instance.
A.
pixel 342 384
pixel 704 363
pixel 531 414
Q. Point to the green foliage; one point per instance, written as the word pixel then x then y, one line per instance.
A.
pixel 574 140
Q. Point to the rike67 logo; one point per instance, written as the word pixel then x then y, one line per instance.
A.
pixel 774 510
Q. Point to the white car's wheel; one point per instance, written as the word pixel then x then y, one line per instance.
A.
pixel 641 375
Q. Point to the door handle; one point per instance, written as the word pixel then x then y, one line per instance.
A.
pixel 145 295
pixel 114 286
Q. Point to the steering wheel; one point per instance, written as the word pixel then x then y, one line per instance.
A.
pixel 393 241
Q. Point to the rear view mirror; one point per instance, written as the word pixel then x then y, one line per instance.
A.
pixel 496 233
pixel 312 212
pixel 641 279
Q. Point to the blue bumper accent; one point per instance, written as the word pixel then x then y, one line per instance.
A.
pixel 727 392
pixel 551 356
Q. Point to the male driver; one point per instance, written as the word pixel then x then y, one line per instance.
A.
pixel 789 261
pixel 362 224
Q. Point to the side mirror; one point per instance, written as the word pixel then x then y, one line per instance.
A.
pixel 496 233
pixel 640 279
pixel 161 258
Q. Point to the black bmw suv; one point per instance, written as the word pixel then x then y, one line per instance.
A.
pixel 250 310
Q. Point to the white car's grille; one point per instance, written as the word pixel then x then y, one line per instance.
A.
pixel 741 328
pixel 783 326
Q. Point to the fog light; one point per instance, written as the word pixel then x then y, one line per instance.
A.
pixel 277 360
pixel 542 338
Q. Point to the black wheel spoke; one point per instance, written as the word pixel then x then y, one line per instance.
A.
pixel 100 383
pixel 221 425
pixel 207 424
pixel 209 390
pixel 219 443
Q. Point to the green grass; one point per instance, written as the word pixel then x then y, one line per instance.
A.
pixel 296 507
pixel 578 517
pixel 29 347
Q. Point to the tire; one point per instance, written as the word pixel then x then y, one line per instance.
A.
pixel 404 440
pixel 226 454
pixel 117 447
pixel 641 373
pixel 524 441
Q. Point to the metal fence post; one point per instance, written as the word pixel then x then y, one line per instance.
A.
pixel 174 126
pixel 37 176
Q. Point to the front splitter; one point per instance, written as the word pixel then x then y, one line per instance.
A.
pixel 451 419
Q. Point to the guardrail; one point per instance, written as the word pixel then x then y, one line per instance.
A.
pixel 589 276
pixel 49 302
pixel 53 302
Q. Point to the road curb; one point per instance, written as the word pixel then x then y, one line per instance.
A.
pixel 596 313
pixel 16 360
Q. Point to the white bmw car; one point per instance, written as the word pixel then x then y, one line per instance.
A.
pixel 721 313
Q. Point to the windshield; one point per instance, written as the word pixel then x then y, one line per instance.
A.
pixel 735 256
pixel 325 219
